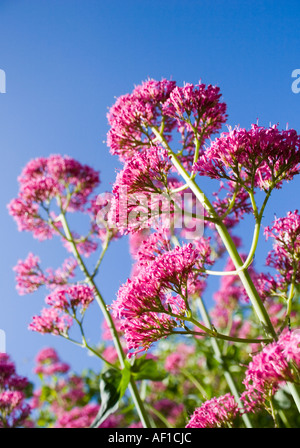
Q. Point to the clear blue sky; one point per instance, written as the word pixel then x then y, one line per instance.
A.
pixel 65 62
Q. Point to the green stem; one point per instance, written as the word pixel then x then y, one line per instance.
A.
pixel 295 394
pixel 195 382
pixel 216 335
pixel 273 412
pixel 90 281
pixel 159 415
pixel 284 418
pixel 90 349
pixel 249 258
pixel 291 295
pixel 104 249
pixel 219 357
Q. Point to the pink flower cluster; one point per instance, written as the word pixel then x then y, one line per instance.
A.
pixel 52 321
pixel 197 105
pixel 153 303
pixel 196 111
pixel 172 410
pixel 285 255
pixel 63 395
pixel 78 417
pixel 215 413
pixel 30 276
pixel 14 410
pixel 48 363
pixel 132 114
pixel 146 171
pixel 66 402
pixel 71 297
pixel 259 157
pixel 138 190
pixel 43 180
pixel 277 363
pixel 177 360
pixel 64 303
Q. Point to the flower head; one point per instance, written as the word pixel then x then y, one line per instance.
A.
pixel 52 321
pixel 277 363
pixel 153 303
pixel 215 413
pixel 14 409
pixel 43 180
pixel 198 107
pixel 70 297
pixel 259 157
pixel 30 276
pixel 132 115
pixel 285 255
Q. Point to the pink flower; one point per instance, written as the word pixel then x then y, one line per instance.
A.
pixel 146 171
pixel 52 369
pixel 170 409
pixel 69 297
pixel 285 255
pixel 60 172
pixel 153 304
pixel 10 400
pixel 29 274
pixel 28 219
pixel 197 105
pixel 44 180
pixel 177 360
pixel 141 197
pixel 270 368
pixel 47 354
pixel 51 320
pixel 262 156
pixel 14 409
pixel 215 413
pixel 78 417
pixel 132 114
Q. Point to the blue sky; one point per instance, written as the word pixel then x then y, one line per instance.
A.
pixel 66 61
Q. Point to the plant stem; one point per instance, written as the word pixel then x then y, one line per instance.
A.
pixel 273 412
pixel 294 392
pixel 90 281
pixel 159 415
pixel 196 383
pixel 219 357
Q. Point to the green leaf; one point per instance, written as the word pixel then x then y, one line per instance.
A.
pixel 282 400
pixel 126 375
pixel 110 395
pixel 147 369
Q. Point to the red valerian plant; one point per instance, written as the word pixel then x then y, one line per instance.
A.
pixel 241 358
